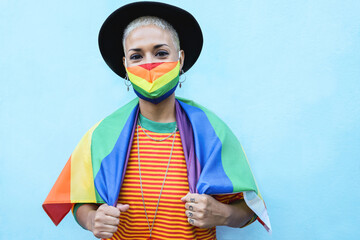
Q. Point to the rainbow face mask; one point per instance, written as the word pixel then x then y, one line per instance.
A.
pixel 154 82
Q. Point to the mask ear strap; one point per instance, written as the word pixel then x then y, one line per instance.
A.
pixel 125 63
pixel 179 55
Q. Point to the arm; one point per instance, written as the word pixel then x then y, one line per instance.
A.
pixel 84 215
pixel 238 214
pixel 205 211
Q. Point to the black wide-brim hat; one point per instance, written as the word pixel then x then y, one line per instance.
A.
pixel 111 32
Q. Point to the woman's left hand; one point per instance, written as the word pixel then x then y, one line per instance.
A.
pixel 204 211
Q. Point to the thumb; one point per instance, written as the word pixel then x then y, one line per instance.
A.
pixel 123 207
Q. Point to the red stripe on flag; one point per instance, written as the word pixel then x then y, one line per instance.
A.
pixel 149 66
pixel 58 204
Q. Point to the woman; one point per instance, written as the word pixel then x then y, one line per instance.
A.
pixel 166 155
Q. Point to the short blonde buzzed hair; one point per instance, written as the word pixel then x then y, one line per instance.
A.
pixel 151 20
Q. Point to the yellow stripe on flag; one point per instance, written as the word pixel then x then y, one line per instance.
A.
pixel 158 83
pixel 82 180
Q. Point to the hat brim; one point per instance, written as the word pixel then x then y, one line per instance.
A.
pixel 111 32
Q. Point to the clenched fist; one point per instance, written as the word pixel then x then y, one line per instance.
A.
pixel 104 221
pixel 204 211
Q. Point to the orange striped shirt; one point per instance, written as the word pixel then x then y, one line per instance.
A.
pixel 171 221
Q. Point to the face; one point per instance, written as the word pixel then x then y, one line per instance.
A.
pixel 150 44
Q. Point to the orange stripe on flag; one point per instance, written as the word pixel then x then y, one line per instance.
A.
pixel 145 74
pixel 57 204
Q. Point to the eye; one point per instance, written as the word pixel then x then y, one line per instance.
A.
pixel 162 54
pixel 135 57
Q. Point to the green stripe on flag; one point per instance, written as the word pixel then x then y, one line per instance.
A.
pixel 161 91
pixel 106 134
pixel 234 160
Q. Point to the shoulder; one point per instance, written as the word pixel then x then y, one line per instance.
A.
pixel 197 110
pixel 107 130
pixel 118 118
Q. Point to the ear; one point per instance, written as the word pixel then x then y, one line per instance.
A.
pixel 182 58
pixel 123 59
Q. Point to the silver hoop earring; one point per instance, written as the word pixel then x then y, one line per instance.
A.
pixel 127 81
pixel 183 80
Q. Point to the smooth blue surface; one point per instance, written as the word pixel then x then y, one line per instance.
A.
pixel 284 75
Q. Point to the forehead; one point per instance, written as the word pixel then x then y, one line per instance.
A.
pixel 147 36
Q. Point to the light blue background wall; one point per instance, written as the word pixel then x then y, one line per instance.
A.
pixel 284 75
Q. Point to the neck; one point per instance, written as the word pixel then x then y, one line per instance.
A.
pixel 162 112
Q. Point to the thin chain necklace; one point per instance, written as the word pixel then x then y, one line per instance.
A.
pixel 167 169
pixel 158 140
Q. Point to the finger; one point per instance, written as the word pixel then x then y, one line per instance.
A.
pixel 103 206
pixel 111 211
pixel 191 206
pixel 190 197
pixel 189 214
pixel 197 223
pixel 103 235
pixel 194 222
pixel 107 228
pixel 112 221
pixel 195 215
pixel 123 207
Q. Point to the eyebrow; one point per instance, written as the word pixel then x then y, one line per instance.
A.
pixel 155 47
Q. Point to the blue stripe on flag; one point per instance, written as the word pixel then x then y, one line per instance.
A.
pixel 108 179
pixel 213 179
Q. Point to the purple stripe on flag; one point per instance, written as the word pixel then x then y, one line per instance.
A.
pixel 187 140
pixel 208 149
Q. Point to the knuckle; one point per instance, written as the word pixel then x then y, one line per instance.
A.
pixel 97 218
pixel 107 235
pixel 100 211
pixel 199 208
pixel 103 206
pixel 201 224
pixel 96 233
pixel 96 226
pixel 117 214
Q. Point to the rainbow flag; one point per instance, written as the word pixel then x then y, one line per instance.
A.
pixel 154 82
pixel 216 162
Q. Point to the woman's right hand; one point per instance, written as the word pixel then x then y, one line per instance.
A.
pixel 104 221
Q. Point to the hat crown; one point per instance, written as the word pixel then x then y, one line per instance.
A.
pixel 112 30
